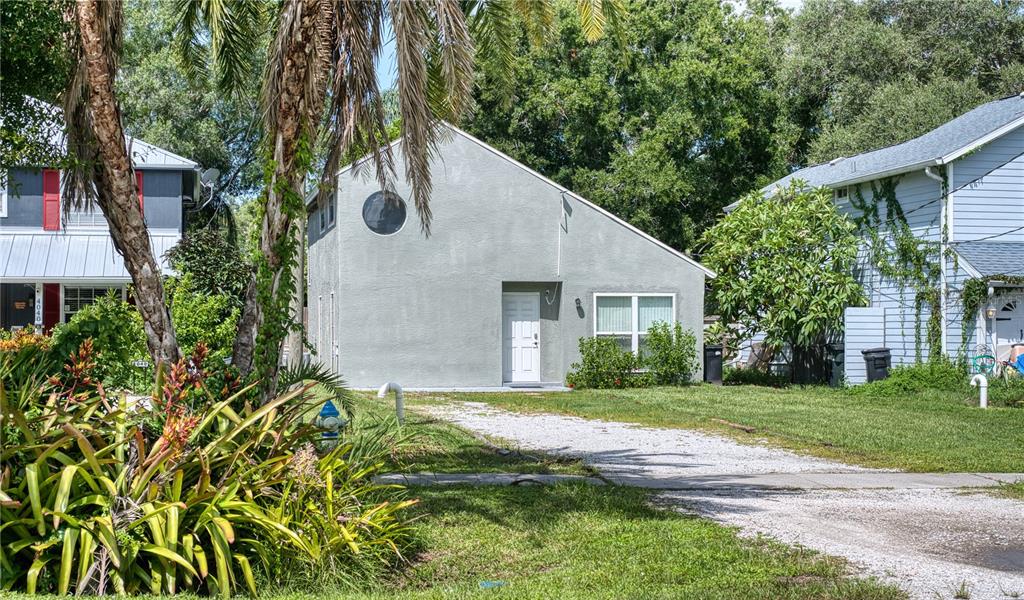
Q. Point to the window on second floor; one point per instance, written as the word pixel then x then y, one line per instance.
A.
pixel 85 217
pixel 3 200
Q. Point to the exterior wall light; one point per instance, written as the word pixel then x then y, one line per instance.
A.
pixel 990 312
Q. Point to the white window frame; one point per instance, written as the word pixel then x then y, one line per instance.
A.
pixel 3 199
pixel 841 193
pixel 64 314
pixel 634 316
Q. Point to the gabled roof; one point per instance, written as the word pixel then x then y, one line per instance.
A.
pixel 455 130
pixel 990 259
pixel 939 146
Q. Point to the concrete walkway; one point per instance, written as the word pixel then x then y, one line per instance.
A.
pixel 767 481
pixel 934 535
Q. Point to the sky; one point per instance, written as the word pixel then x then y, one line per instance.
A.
pixel 387 71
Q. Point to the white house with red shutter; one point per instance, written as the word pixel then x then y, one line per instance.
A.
pixel 52 264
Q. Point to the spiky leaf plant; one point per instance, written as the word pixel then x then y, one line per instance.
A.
pixel 100 494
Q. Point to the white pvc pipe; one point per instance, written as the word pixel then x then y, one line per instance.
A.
pixel 979 381
pixel 391 386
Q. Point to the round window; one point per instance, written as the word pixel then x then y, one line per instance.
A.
pixel 384 213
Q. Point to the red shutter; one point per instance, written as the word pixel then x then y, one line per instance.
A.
pixel 138 184
pixel 51 305
pixel 51 200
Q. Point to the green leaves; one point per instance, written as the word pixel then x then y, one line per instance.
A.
pixel 100 495
pixel 785 266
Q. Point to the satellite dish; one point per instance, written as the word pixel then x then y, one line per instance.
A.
pixel 210 176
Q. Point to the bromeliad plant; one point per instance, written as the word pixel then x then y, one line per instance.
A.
pixel 100 494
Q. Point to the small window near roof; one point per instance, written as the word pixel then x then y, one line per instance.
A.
pixel 842 193
pixel 384 213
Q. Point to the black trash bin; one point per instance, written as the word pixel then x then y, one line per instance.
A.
pixel 877 361
pixel 713 364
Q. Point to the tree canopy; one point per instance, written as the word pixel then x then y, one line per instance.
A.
pixel 663 130
pixel 860 75
pixel 785 267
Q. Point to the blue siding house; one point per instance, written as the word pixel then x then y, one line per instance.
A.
pixel 52 264
pixel 958 193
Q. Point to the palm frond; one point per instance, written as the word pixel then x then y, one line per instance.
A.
pixel 307 372
pixel 223 34
pixel 411 25
pixel 491 23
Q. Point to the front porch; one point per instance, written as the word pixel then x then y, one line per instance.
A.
pixel 43 305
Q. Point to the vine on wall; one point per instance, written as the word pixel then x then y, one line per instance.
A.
pixel 901 257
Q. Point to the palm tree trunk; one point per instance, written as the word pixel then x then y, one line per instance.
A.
pixel 259 346
pixel 116 193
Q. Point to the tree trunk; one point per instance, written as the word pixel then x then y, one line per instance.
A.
pixel 296 101
pixel 245 338
pixel 116 188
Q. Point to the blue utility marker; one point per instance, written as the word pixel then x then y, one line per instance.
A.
pixel 329 420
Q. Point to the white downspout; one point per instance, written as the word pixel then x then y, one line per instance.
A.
pixel 943 248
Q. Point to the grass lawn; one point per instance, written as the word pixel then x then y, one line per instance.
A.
pixel 437 446
pixel 578 541
pixel 917 433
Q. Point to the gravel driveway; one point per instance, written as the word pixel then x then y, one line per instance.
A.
pixel 932 542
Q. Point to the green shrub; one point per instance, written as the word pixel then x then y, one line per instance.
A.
pixel 670 355
pixel 752 376
pixel 201 317
pixel 939 374
pixel 1007 392
pixel 118 338
pixel 172 498
pixel 605 364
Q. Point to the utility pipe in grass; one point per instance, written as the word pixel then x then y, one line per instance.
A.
pixel 391 386
pixel 979 381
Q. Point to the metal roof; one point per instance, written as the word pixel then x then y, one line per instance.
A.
pixel 63 256
pixel 990 259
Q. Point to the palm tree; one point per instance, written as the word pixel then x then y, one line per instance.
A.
pixel 320 91
pixel 102 171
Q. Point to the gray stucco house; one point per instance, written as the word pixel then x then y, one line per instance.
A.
pixel 959 187
pixel 52 264
pixel 515 271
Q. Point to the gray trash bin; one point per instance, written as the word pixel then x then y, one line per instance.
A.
pixel 713 364
pixel 836 367
pixel 877 361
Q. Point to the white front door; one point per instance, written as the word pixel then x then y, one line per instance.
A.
pixel 520 336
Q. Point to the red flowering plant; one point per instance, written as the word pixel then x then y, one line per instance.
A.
pixel 78 381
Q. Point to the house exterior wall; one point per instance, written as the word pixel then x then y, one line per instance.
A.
pixel 920 200
pixel 986 201
pixel 427 311
pixel 162 192
pixel 989 191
